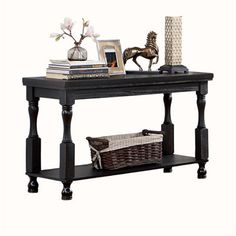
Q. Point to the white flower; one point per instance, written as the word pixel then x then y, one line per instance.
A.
pixel 90 33
pixel 96 35
pixel 68 24
pixel 63 27
pixel 54 35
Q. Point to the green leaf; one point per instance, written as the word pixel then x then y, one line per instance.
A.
pixel 58 37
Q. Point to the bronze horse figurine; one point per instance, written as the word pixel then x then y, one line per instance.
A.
pixel 150 51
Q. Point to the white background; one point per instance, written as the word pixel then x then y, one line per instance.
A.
pixel 147 203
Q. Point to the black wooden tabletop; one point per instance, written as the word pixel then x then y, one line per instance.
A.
pixel 132 78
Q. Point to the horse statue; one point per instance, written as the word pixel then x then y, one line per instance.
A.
pixel 150 51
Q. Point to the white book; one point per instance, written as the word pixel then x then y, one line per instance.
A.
pixel 69 77
pixel 74 63
pixel 77 70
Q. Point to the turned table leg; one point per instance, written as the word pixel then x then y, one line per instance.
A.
pixel 67 153
pixel 201 137
pixel 168 128
pixel 33 146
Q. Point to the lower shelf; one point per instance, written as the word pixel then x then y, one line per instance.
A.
pixel 87 171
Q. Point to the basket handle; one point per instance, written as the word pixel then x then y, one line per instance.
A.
pixel 98 143
pixel 146 132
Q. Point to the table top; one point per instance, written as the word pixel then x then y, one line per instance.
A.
pixel 132 78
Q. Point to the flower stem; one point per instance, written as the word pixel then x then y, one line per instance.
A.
pixel 82 37
pixel 83 29
pixel 70 35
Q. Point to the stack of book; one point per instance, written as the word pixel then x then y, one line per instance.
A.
pixel 64 69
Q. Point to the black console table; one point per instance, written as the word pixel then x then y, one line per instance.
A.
pixel 133 83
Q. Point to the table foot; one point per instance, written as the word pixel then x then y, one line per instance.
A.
pixel 33 185
pixel 167 170
pixel 66 193
pixel 201 173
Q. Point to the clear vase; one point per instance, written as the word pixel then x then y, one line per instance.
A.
pixel 77 53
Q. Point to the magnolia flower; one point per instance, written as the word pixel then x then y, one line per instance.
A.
pixel 68 24
pixel 54 35
pixel 90 33
pixel 63 27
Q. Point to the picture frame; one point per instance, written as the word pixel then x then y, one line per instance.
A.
pixel 110 52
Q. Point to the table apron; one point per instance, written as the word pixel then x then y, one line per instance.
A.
pixel 69 95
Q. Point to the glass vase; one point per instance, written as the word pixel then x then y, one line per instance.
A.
pixel 77 53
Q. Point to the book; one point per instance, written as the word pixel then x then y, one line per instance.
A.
pixel 77 76
pixel 79 63
pixel 65 69
pixel 68 71
pixel 68 66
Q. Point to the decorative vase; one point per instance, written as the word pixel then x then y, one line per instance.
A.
pixel 173 40
pixel 77 53
pixel 173 46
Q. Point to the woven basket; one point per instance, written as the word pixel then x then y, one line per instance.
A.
pixel 125 150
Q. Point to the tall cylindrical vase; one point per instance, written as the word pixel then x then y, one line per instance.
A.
pixel 173 46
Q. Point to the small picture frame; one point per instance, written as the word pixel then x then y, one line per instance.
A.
pixel 110 52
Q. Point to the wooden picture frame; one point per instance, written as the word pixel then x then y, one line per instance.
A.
pixel 110 52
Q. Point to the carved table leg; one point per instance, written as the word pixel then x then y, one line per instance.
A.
pixel 66 193
pixel 201 173
pixel 33 147
pixel 168 128
pixel 67 150
pixel 201 137
pixel 33 185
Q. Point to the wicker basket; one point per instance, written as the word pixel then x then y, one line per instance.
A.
pixel 119 151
